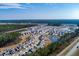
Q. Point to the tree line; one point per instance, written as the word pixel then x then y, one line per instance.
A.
pixel 6 38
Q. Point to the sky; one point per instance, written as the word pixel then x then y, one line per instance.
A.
pixel 39 11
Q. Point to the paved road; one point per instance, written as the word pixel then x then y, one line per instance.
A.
pixel 67 49
pixel 15 30
pixel 74 51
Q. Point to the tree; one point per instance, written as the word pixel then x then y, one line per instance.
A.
pixel 8 37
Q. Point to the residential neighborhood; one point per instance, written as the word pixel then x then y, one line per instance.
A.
pixel 38 37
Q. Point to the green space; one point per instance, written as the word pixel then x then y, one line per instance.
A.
pixel 7 38
pixel 9 27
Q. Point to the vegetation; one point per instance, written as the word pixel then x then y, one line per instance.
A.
pixel 55 47
pixel 11 38
pixel 8 37
pixel 8 27
pixel 46 50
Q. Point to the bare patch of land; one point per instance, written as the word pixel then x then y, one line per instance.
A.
pixel 14 44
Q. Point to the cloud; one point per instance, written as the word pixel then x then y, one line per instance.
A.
pixel 11 5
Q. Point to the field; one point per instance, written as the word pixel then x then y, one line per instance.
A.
pixel 8 27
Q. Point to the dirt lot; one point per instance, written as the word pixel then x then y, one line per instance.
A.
pixel 12 45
